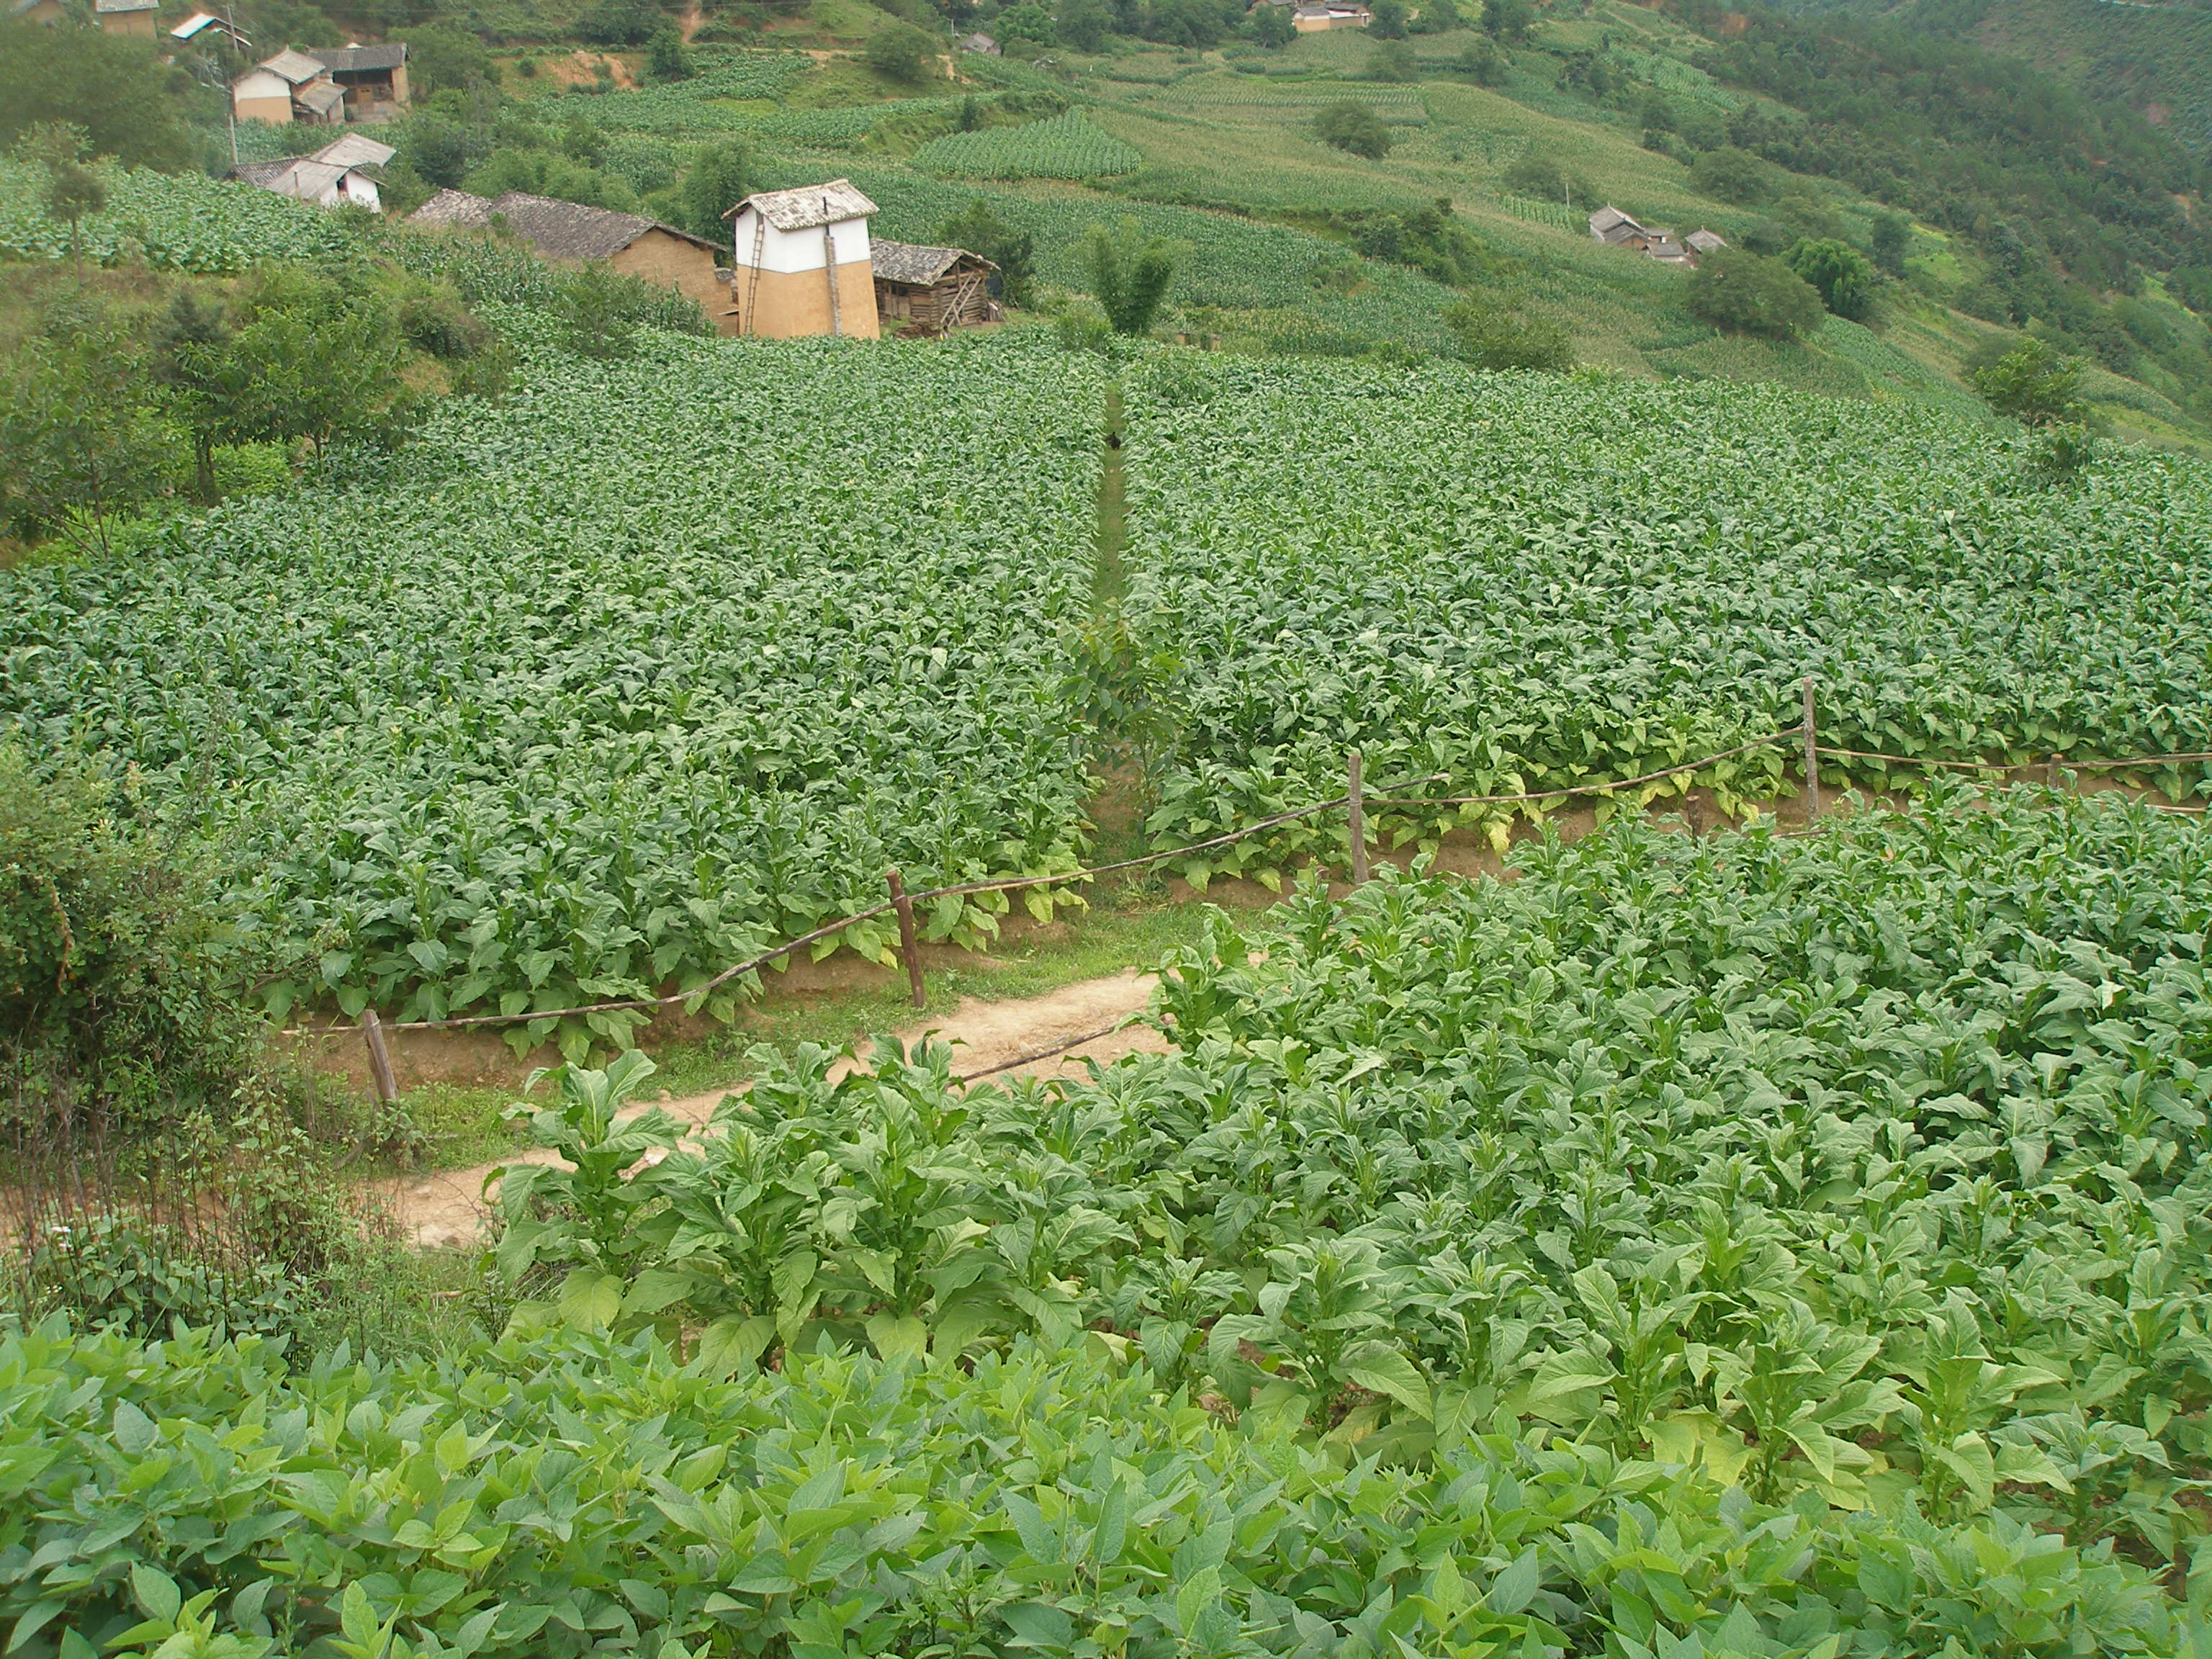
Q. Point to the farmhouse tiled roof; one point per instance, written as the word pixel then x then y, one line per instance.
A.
pixel 355 150
pixel 320 96
pixel 348 58
pixel 293 66
pixel 109 7
pixel 1706 240
pixel 1609 218
pixel 453 207
pixel 566 230
pixel 807 206
pixel 910 262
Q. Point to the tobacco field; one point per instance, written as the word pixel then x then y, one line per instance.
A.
pixel 1070 146
pixel 181 221
pixel 1520 582
pixel 652 667
pixel 1738 1245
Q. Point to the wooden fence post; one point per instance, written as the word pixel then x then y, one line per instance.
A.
pixel 909 949
pixel 1356 808
pixel 379 1059
pixel 1811 758
pixel 2050 773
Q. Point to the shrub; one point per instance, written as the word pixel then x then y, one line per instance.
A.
pixel 2034 383
pixel 1749 294
pixel 902 52
pixel 440 58
pixel 111 88
pixel 434 320
pixel 1387 20
pixel 1394 61
pixel 2061 453
pixel 619 23
pixel 1729 174
pixel 117 995
pixel 1130 274
pixel 1493 335
pixel 666 57
pixel 982 231
pixel 1844 277
pixel 1355 128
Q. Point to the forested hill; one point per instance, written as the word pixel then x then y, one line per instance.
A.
pixel 2152 56
pixel 2066 193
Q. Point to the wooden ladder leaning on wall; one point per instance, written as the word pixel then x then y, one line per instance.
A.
pixel 752 284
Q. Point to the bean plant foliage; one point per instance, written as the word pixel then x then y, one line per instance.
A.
pixel 1743 1245
pixel 1521 582
pixel 652 667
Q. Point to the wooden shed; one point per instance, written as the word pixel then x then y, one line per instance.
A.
pixel 933 290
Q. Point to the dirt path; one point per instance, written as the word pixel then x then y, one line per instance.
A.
pixel 449 1207
pixel 695 13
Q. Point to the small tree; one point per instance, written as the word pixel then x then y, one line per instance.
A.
pixel 205 390
pixel 1508 20
pixel 1843 274
pixel 1355 128
pixel 1272 26
pixel 1386 19
pixel 595 314
pixel 900 52
pixel 1749 294
pixel 1729 174
pixel 720 176
pixel 1892 235
pixel 440 58
pixel 666 57
pixel 74 194
pixel 1493 335
pixel 1393 60
pixel 81 444
pixel 1084 24
pixel 2034 384
pixel 982 231
pixel 619 23
pixel 1130 274
pixel 1437 17
pixel 1482 63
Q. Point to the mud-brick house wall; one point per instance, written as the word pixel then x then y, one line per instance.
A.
pixel 568 232
pixel 800 262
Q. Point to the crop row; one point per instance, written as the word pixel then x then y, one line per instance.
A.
pixel 614 684
pixel 702 104
pixel 1521 582
pixel 179 221
pixel 1735 1246
pixel 1067 146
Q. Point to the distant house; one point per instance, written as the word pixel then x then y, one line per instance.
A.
pixel 1312 19
pixel 1704 241
pixel 568 232
pixel 373 78
pixel 125 17
pixel 800 262
pixel 289 86
pixel 1664 248
pixel 931 290
pixel 202 23
pixel 982 45
pixel 332 175
pixel 1614 228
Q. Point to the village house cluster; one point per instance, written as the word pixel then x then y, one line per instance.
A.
pixel 799 262
pixel 1610 226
